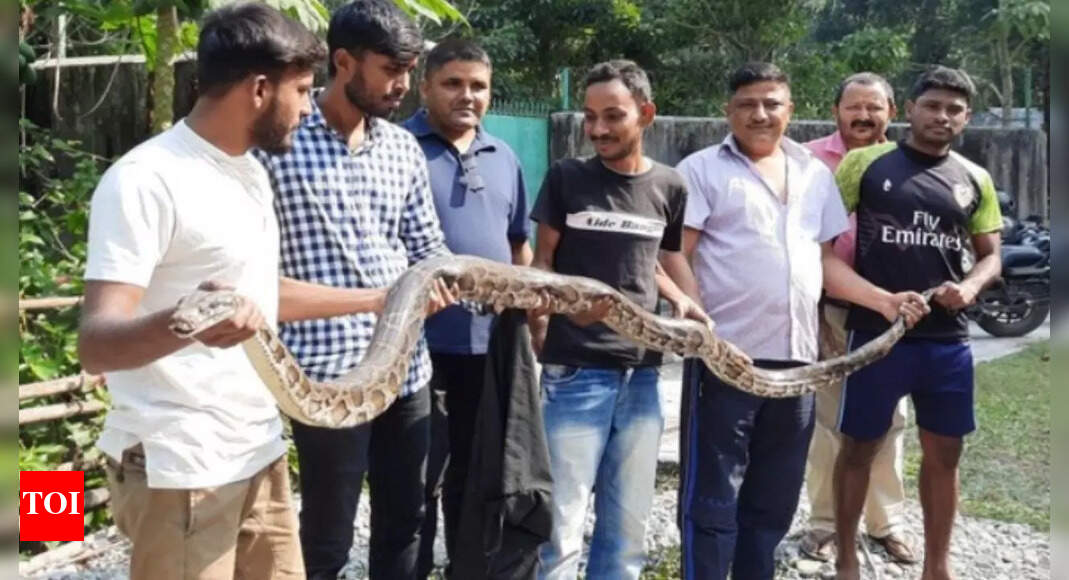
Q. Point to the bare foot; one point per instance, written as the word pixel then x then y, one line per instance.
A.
pixel 847 571
pixel 944 574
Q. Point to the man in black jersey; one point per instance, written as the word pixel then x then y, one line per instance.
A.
pixel 927 217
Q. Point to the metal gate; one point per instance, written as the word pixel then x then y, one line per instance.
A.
pixel 525 127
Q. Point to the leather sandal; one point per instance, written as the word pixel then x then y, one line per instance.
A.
pixel 818 545
pixel 899 546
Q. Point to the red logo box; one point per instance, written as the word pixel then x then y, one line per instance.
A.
pixel 51 506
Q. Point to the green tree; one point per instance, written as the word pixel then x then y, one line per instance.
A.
pixel 530 41
pixel 1012 28
pixel 163 29
pixel 311 13
pixel 745 29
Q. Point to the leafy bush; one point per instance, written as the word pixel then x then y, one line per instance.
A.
pixel 56 181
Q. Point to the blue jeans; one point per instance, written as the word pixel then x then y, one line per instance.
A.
pixel 603 428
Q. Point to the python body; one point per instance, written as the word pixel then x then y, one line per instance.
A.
pixel 374 384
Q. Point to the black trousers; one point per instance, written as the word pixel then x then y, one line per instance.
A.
pixel 392 451
pixel 456 387
pixel 743 463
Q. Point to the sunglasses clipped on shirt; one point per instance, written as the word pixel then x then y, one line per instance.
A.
pixel 469 177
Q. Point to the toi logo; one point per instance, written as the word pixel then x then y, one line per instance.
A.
pixel 51 506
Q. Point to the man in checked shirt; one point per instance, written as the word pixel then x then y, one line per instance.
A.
pixel 354 210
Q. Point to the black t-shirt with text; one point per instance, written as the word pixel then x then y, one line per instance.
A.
pixel 611 228
pixel 916 215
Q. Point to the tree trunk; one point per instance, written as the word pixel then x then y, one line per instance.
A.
pixel 163 72
pixel 1005 71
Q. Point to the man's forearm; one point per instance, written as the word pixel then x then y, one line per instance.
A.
pixel 521 253
pixel 843 283
pixel 665 286
pixel 984 272
pixel 675 268
pixel 541 263
pixel 106 344
pixel 538 324
pixel 306 301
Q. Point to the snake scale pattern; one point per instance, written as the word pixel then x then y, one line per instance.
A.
pixel 369 389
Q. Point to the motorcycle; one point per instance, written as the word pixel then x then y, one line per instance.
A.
pixel 1019 302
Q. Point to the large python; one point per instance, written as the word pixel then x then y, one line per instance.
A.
pixel 363 393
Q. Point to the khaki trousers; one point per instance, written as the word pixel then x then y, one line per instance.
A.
pixel 244 530
pixel 885 500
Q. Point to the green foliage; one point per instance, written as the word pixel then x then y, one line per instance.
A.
pixel 27 75
pixel 117 13
pixel 815 70
pixel 814 79
pixel 678 41
pixel 434 12
pixel 744 29
pixel 1028 20
pixel 663 564
pixel 690 46
pixel 437 11
pixel 881 50
pixel 53 222
pixel 311 13
pixel 130 24
pixel 529 42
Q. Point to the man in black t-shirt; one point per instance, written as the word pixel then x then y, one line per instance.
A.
pixel 927 217
pixel 618 218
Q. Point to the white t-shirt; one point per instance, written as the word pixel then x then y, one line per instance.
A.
pixel 173 212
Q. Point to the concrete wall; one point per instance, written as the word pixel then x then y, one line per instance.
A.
pixel 1016 158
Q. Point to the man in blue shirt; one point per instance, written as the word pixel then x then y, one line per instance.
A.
pixel 477 184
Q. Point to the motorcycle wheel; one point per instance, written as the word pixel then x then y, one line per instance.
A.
pixel 1014 325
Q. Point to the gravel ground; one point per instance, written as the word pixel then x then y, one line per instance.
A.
pixel 982 549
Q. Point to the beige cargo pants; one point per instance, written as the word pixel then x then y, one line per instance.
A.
pixel 885 501
pixel 243 530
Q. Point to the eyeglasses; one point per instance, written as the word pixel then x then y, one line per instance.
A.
pixel 470 177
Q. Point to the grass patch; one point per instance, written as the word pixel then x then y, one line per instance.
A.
pixel 1005 470
pixel 663 565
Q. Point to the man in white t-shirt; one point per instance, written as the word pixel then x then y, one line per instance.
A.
pixel 196 460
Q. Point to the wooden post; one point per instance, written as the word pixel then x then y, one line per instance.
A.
pixel 59 411
pixel 62 385
pixel 45 303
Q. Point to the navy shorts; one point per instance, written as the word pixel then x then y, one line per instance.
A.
pixel 938 376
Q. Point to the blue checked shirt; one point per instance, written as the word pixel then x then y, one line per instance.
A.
pixel 352 219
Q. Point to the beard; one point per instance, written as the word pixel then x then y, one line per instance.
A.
pixel 362 99
pixel 271 133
